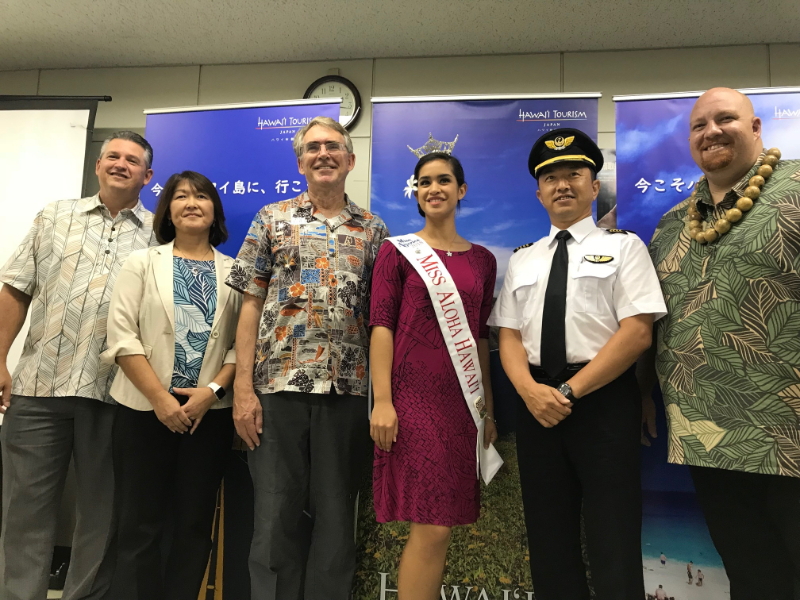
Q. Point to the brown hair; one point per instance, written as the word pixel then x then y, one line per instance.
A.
pixel 130 136
pixel 162 223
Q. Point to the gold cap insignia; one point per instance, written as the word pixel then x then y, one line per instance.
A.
pixel 597 258
pixel 559 143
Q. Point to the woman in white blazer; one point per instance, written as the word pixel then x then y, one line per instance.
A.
pixel 171 328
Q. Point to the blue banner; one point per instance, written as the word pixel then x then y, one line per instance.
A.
pixel 492 139
pixel 245 150
pixel 655 171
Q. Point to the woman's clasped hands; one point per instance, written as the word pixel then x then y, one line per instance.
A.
pixel 187 417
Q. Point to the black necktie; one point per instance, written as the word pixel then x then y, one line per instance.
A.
pixel 554 341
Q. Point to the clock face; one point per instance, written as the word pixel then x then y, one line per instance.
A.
pixel 338 87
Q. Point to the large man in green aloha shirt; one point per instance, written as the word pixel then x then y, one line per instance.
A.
pixel 728 353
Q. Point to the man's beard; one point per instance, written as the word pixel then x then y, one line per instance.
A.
pixel 719 160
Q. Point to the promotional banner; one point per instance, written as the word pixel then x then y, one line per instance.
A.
pixel 492 137
pixel 655 171
pixel 245 149
pixel 655 167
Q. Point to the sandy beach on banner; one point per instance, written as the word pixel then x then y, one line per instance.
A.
pixel 673 578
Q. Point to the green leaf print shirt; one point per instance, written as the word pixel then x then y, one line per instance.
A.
pixel 728 353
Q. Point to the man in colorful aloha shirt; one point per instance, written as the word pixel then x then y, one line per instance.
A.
pixel 301 378
pixel 728 355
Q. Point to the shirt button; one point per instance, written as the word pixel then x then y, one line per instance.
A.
pixel 108 251
pixel 215 334
pixel 110 239
pixel 113 229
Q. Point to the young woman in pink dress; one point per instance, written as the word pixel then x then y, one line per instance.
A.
pixel 425 465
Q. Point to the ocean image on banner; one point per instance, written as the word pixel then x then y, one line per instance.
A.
pixel 493 139
pixel 673 527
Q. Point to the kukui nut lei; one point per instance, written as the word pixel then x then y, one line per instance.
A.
pixel 703 232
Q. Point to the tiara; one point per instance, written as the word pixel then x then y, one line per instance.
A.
pixel 433 145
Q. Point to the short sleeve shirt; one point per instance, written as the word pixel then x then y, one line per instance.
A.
pixel 728 353
pixel 67 264
pixel 314 275
pixel 610 277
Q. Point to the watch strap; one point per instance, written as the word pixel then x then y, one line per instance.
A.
pixel 565 387
pixel 218 390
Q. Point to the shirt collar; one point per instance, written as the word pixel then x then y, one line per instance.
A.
pixel 737 191
pixel 92 202
pixel 578 230
pixel 350 210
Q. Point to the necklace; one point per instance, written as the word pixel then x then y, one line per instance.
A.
pixel 193 268
pixel 448 252
pixel 703 232
pixel 450 245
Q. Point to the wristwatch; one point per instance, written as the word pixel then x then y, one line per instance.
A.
pixel 565 390
pixel 218 390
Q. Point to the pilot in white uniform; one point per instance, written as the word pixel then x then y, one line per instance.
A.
pixel 576 311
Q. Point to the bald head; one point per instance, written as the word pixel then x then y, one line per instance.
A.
pixel 725 135
pixel 727 96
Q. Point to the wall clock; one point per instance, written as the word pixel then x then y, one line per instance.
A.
pixel 335 86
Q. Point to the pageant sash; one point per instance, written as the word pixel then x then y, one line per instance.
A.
pixel 461 345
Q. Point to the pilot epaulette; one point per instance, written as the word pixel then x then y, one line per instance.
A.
pixel 528 245
pixel 625 231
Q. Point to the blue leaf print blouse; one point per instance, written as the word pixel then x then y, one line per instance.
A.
pixel 195 298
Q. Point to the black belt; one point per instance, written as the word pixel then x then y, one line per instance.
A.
pixel 541 376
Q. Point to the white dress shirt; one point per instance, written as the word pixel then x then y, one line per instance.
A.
pixel 610 277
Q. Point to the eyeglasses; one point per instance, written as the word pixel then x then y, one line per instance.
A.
pixel 330 147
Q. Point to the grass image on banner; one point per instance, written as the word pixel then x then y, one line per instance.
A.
pixel 477 558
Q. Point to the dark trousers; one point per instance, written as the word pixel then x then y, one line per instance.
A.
pixel 310 460
pixel 39 437
pixel 165 480
pixel 589 463
pixel 754 521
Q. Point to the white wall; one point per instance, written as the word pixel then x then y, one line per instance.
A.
pixel 628 72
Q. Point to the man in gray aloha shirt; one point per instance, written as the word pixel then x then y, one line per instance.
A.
pixel 57 406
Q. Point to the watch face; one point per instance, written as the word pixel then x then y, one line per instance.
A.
pixel 338 87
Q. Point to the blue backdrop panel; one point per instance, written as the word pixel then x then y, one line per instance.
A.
pixel 655 170
pixel 246 151
pixel 500 210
